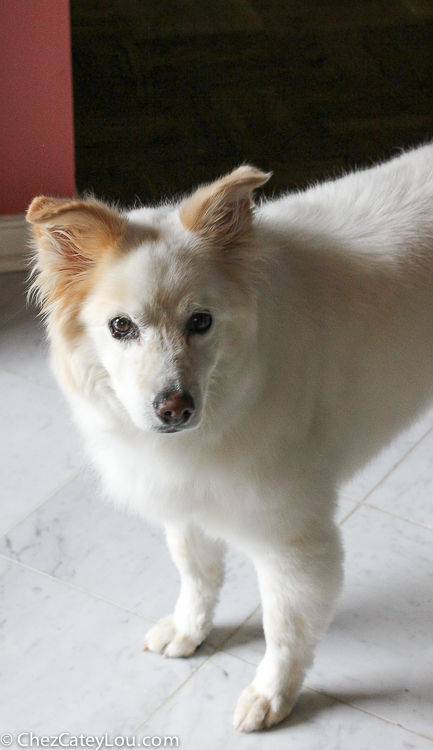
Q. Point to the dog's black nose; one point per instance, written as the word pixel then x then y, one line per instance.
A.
pixel 174 409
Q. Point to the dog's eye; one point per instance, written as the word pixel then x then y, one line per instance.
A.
pixel 121 327
pixel 200 322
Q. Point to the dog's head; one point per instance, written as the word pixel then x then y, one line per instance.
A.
pixel 151 307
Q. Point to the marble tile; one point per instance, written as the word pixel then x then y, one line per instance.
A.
pixel 39 447
pixel 378 652
pixel 24 349
pixel 86 672
pixel 72 663
pixel 200 715
pixel 408 489
pixel 79 538
pixel 248 643
pixel 345 506
pixel 23 345
pixel 363 482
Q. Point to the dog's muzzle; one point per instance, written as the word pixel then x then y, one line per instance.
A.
pixel 174 410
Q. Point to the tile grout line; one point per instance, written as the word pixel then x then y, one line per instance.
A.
pixel 134 612
pixel 379 482
pixel 113 603
pixel 351 512
pixel 173 694
pixel 216 649
pixel 387 512
pixel 241 658
pixel 348 497
pixel 307 687
pixel 241 625
pixel 396 515
pixel 45 500
pixel 74 587
pixel 340 700
pixel 370 713
pixel 385 476
pixel 400 460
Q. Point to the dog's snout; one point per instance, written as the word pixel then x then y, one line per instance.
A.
pixel 174 409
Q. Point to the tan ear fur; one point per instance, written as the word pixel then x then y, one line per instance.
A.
pixel 222 211
pixel 70 236
pixel 80 227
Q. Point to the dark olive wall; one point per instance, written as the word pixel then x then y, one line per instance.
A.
pixel 169 93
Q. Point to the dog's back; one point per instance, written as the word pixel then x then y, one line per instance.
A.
pixel 355 273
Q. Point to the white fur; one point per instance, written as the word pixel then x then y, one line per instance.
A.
pixel 297 384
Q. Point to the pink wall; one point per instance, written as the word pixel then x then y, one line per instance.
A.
pixel 36 116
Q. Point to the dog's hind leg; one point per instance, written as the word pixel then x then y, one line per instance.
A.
pixel 298 586
pixel 200 561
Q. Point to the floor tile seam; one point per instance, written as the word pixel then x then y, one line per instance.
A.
pixel 305 686
pixel 344 495
pixel 45 499
pixel 369 713
pixel 79 589
pixel 172 695
pixel 29 379
pixel 363 503
pixel 340 700
pixel 236 629
pixel 359 503
pixel 216 650
pixel 397 515
pixel 394 466
pixel 241 658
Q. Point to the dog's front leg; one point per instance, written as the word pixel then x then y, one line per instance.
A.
pixel 298 587
pixel 200 561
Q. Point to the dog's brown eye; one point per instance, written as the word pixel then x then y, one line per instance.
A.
pixel 200 322
pixel 121 327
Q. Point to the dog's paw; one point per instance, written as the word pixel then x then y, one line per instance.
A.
pixel 165 639
pixel 256 710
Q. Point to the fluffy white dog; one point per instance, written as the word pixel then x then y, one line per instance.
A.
pixel 229 365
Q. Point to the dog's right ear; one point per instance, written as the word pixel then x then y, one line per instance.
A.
pixel 70 236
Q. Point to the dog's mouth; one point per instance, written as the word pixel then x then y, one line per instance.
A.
pixel 171 429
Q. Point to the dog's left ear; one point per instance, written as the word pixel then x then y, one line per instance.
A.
pixel 222 211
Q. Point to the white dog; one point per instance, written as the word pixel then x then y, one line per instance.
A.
pixel 229 365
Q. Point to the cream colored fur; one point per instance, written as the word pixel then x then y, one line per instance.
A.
pixel 320 351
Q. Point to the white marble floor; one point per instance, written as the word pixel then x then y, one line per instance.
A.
pixel 81 584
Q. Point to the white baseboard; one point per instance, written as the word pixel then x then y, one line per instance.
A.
pixel 14 243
